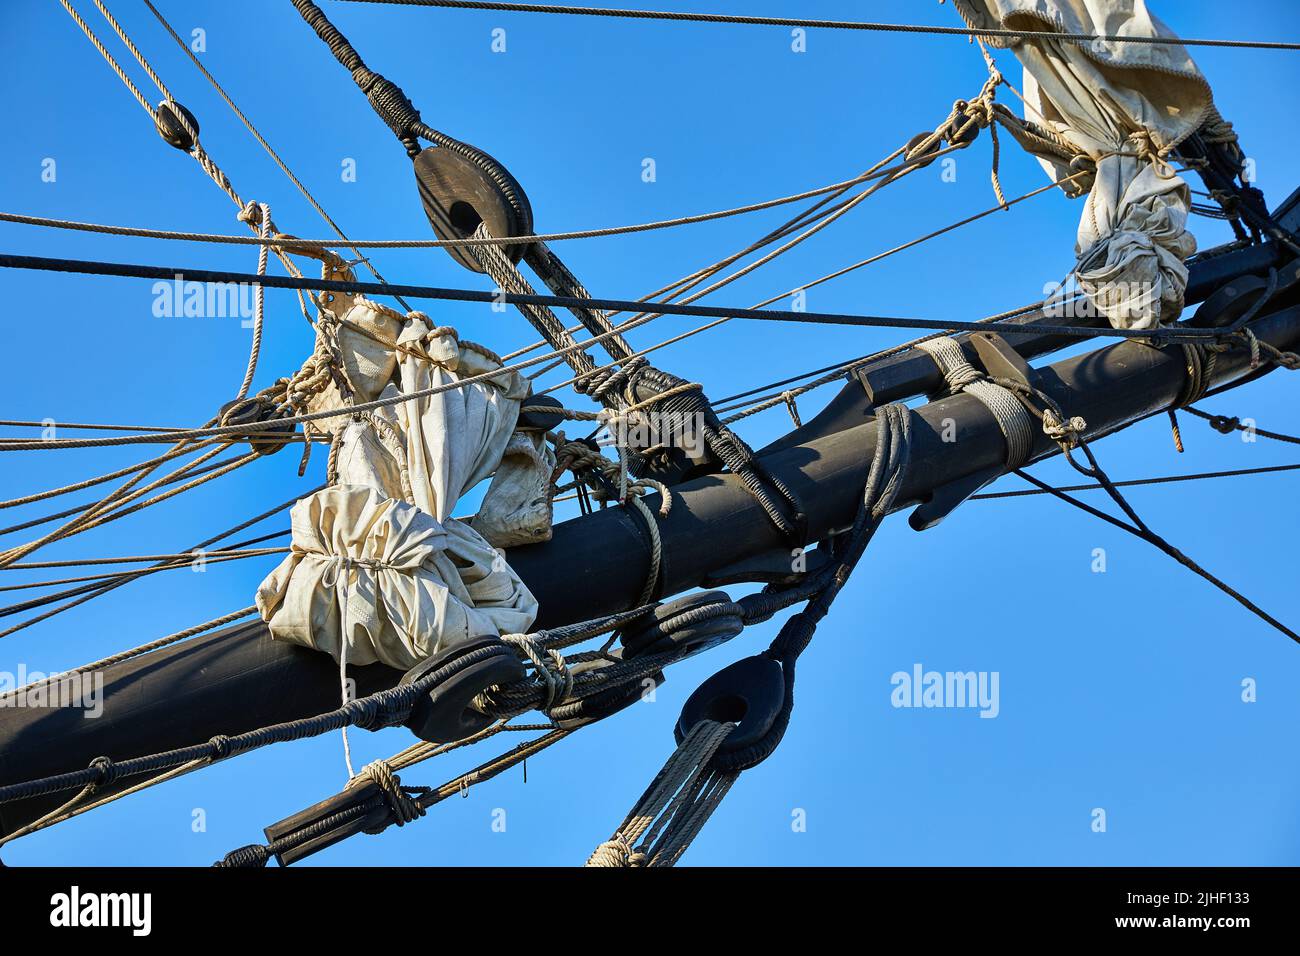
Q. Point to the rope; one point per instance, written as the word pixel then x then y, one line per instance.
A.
pixel 818 212
pixel 98 515
pixel 90 482
pixel 1138 482
pixel 875 170
pixel 128 270
pixel 293 242
pixel 557 277
pixel 131 559
pixel 922 156
pixel 837 372
pixel 1014 421
pixel 401 116
pixel 668 815
pixel 1139 529
pixel 1225 425
pixel 383 709
pixel 142 649
pixel 549 667
pixel 405 810
pixel 511 283
pixel 116 583
pixel 735 19
pixel 590 465
pixel 468 295
pixel 182 561
pixel 199 154
pixel 266 146
pixel 77 805
pixel 685 793
pixel 813 213
pixel 258 214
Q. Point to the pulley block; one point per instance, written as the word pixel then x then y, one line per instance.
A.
pixel 537 420
pixel 264 441
pixel 171 129
pixel 457 196
pixel 749 693
pixel 662 629
pixel 444 715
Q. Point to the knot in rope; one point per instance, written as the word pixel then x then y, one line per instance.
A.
pixel 254 213
pixel 789 397
pixel 548 664
pixel 105 771
pixel 1063 431
pixel 1224 425
pixel 617 853
pixel 1144 145
pixel 220 745
pixel 405 808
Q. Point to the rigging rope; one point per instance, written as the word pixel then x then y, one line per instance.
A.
pixel 686 792
pixel 1163 335
pixel 292 242
pixel 1138 482
pixel 676 805
pixel 116 583
pixel 266 146
pixel 195 150
pixel 1139 529
pixel 739 20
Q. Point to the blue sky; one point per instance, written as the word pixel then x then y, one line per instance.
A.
pixel 1118 690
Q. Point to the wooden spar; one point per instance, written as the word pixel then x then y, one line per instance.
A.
pixel 237 679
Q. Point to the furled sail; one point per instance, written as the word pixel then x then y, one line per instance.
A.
pixel 1125 107
pixel 378 569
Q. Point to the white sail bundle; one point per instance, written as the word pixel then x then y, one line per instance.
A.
pixel 1125 106
pixel 379 570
